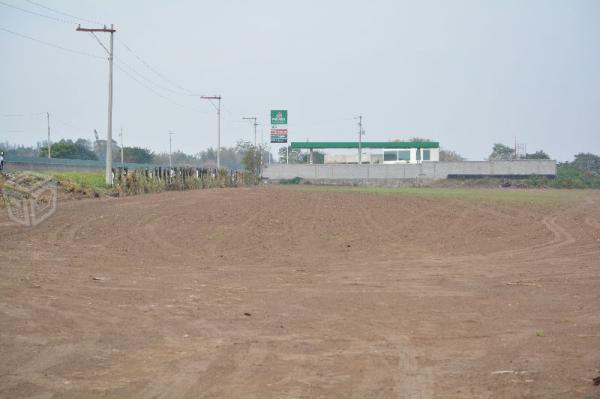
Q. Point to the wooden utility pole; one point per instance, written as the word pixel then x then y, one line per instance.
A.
pixel 360 133
pixel 170 149
pixel 252 118
pixel 109 50
pixel 121 134
pixel 49 147
pixel 218 108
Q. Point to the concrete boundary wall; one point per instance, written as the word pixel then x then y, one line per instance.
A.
pixel 425 170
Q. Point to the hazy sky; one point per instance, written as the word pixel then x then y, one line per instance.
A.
pixel 465 73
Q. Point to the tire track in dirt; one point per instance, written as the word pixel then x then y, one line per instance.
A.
pixel 592 222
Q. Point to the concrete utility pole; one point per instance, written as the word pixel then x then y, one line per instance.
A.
pixel 110 52
pixel 360 133
pixel 252 118
pixel 170 150
pixel 49 147
pixel 121 134
pixel 217 97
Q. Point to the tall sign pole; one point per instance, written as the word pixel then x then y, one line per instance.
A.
pixel 109 50
pixel 217 97
pixel 279 130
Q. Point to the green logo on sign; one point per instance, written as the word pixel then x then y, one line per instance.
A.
pixel 279 117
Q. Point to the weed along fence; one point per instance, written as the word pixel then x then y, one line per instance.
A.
pixel 137 181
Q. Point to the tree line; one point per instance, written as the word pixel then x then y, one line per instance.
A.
pixel 242 156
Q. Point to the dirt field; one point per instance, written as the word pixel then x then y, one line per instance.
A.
pixel 278 292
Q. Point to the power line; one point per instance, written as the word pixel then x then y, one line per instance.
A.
pixel 131 76
pixel 22 115
pixel 98 57
pixel 182 90
pixel 141 60
pixel 38 14
pixel 51 44
pixel 133 70
pixel 63 13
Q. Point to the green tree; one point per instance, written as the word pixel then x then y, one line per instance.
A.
pixel 137 155
pixel 501 152
pixel 251 159
pixel 587 162
pixel 67 149
pixel 450 156
pixel 537 155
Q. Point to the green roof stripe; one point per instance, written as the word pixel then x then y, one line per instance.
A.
pixel 365 144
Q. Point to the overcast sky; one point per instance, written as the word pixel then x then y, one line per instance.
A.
pixel 465 73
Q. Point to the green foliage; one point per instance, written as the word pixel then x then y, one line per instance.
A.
pixel 251 160
pixel 587 162
pixel 567 176
pixel 295 180
pixel 137 155
pixel 67 149
pixel 93 179
pixel 501 152
pixel 570 176
pixel 11 150
pixel 450 156
pixel 231 157
pixel 537 155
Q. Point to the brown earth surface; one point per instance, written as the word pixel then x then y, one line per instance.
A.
pixel 277 292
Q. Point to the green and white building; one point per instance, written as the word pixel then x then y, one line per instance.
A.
pixel 374 152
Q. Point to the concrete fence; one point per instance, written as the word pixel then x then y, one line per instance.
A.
pixel 424 171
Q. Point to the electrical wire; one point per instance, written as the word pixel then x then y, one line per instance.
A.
pixel 131 76
pixel 133 70
pixel 22 115
pixel 181 90
pixel 184 91
pixel 63 13
pixel 51 44
pixel 38 14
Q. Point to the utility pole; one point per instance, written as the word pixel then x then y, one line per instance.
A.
pixel 110 52
pixel 252 118
pixel 170 150
pixel 121 134
pixel 360 133
pixel 217 97
pixel 49 147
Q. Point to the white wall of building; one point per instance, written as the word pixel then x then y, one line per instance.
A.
pixel 417 155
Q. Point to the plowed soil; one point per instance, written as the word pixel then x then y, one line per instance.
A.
pixel 278 292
